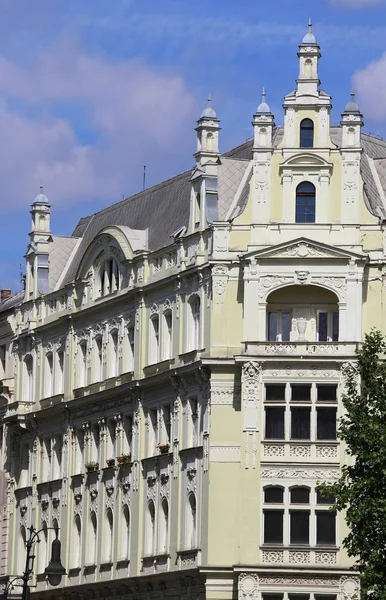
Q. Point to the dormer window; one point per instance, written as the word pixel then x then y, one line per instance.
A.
pixel 307 134
pixel 110 280
pixel 305 203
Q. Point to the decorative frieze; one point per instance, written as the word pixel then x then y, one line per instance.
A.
pixel 248 586
pixel 303 473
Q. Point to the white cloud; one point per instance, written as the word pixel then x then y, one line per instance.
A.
pixel 135 111
pixel 370 86
pixel 357 3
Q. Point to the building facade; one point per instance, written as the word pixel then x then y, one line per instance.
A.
pixel 172 373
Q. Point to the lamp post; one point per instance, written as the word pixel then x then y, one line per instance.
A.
pixel 54 571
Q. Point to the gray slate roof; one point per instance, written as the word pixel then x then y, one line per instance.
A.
pixel 60 250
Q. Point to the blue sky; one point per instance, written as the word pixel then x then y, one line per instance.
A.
pixel 91 90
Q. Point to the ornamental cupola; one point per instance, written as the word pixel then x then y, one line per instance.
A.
pixel 263 124
pixel 352 123
pixel 37 256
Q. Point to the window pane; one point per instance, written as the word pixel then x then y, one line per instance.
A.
pixel 272 326
pixel 301 393
pixel 324 499
pixel 325 527
pixel 322 327
pixel 285 326
pixel 326 424
pixel 300 495
pixel 325 597
pixel 273 527
pixel 298 596
pixel 300 423
pixel 326 393
pixel 275 393
pixel 273 494
pixel 299 526
pixel 272 596
pixel 335 326
pixel 274 423
pixel 306 133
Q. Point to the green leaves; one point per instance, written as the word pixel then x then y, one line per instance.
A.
pixel 361 489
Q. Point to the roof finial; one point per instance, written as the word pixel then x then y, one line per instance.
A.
pixel 352 106
pixel 309 38
pixel 208 112
pixel 263 107
pixel 309 25
pixel 209 99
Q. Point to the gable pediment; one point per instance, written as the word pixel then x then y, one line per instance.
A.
pixel 306 160
pixel 304 249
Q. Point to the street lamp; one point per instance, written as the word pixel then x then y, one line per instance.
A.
pixel 54 571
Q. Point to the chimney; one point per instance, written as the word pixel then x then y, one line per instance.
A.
pixel 4 295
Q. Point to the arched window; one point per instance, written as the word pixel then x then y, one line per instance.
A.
pixel 191 522
pixel 110 277
pixel 306 133
pixel 82 365
pixel 75 553
pixel 28 378
pixel 164 527
pixel 92 540
pixel 113 366
pixel 308 68
pixel 49 375
pixel 305 203
pixel 154 340
pixel 42 549
pixel 124 533
pixel 194 323
pixel 107 547
pixel 98 361
pixel 168 333
pixel 150 529
pixel 20 556
pixel 59 372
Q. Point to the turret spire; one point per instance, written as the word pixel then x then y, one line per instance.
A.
pixel 263 107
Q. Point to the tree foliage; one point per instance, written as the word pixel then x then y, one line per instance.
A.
pixel 361 489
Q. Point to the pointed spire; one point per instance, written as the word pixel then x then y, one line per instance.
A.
pixel 263 107
pixel 309 38
pixel 41 198
pixel 352 106
pixel 208 112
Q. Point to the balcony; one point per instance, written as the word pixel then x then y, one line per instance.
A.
pixel 300 349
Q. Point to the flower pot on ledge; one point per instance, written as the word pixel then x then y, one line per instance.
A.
pixel 110 462
pixel 163 448
pixel 92 467
pixel 124 459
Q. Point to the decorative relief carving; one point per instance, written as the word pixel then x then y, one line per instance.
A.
pixel 250 385
pixel 291 473
pixel 271 450
pixel 224 395
pixel 225 454
pixel 300 451
pixel 267 282
pixel 302 277
pixel 325 558
pixel 302 558
pixel 271 556
pixel 248 586
pixel 301 250
pixel 316 581
pixel 326 451
pixel 349 587
pixel 338 284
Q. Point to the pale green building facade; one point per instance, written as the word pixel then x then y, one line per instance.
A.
pixel 172 373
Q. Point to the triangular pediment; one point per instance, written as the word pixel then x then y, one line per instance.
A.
pixel 303 248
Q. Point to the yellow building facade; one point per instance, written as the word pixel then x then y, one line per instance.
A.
pixel 173 370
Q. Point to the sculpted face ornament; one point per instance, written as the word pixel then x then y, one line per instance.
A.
pixel 302 276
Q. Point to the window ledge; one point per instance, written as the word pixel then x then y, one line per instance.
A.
pixel 51 400
pixel 265 348
pixel 159 367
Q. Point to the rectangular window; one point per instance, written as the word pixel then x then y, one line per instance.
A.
pixel 298 596
pixel 301 393
pixel 323 327
pixel 326 393
pixel 272 596
pixel 324 499
pixel 275 393
pixel 326 424
pixel 325 527
pixel 279 326
pixel 299 526
pixel 274 423
pixel 300 423
pixel 273 527
pixel 328 326
pixel 274 495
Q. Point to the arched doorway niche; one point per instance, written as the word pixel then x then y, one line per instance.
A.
pixel 302 313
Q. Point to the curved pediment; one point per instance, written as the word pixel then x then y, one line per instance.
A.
pixel 305 159
pixel 116 241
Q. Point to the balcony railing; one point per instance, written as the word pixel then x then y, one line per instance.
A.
pixel 300 349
